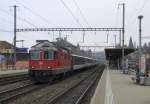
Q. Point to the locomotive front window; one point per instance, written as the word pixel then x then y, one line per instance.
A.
pixel 48 55
pixel 34 55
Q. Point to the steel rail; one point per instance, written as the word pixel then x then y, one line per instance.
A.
pixel 14 89
pixel 13 79
pixel 23 91
pixel 55 98
pixel 87 89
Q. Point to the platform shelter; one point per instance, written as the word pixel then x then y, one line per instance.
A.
pixel 114 55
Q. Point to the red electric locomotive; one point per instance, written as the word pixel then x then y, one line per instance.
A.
pixel 47 60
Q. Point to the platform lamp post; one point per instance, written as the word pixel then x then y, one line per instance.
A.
pixel 140 37
pixel 123 33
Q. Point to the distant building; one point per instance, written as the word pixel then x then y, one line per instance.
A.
pixel 149 45
pixel 131 43
pixel 99 55
pixel 134 44
pixel 7 56
pixel 6 47
pixel 145 48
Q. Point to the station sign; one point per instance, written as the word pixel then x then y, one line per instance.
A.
pixel 127 63
pixel 142 64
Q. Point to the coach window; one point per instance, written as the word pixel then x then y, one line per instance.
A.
pixel 34 55
pixel 48 55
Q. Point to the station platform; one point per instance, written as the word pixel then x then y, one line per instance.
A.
pixel 13 72
pixel 117 88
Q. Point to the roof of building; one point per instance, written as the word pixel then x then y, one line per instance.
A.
pixel 5 45
pixel 115 53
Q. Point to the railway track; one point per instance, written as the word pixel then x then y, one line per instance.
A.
pixel 13 79
pixel 52 92
pixel 11 94
pixel 76 93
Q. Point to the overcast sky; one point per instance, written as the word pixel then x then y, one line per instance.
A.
pixel 52 13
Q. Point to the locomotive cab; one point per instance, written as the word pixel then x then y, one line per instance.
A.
pixel 39 59
pixel 41 64
pixel 48 60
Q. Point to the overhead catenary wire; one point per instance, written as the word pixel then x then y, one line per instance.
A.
pixel 143 6
pixel 139 11
pixel 5 21
pixel 19 18
pixel 82 15
pixel 116 18
pixel 4 11
pixel 134 9
pixel 135 14
pixel 146 37
pixel 72 14
pixel 3 30
pixel 35 13
pixel 24 20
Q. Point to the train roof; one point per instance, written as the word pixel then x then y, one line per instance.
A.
pixel 46 45
pixel 83 57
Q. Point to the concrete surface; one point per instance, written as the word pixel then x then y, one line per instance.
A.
pixel 117 88
pixel 12 72
pixel 99 95
pixel 127 92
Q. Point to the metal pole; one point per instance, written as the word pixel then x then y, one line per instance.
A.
pixel 115 40
pixel 22 43
pixel 15 24
pixel 107 36
pixel 59 34
pixel 123 32
pixel 53 36
pixel 120 38
pixel 83 36
pixel 140 43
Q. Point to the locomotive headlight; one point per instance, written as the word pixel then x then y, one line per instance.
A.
pixel 49 67
pixel 32 67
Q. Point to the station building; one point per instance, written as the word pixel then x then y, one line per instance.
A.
pixel 7 54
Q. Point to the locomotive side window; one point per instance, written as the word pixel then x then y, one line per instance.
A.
pixel 34 55
pixel 48 55
pixel 55 55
